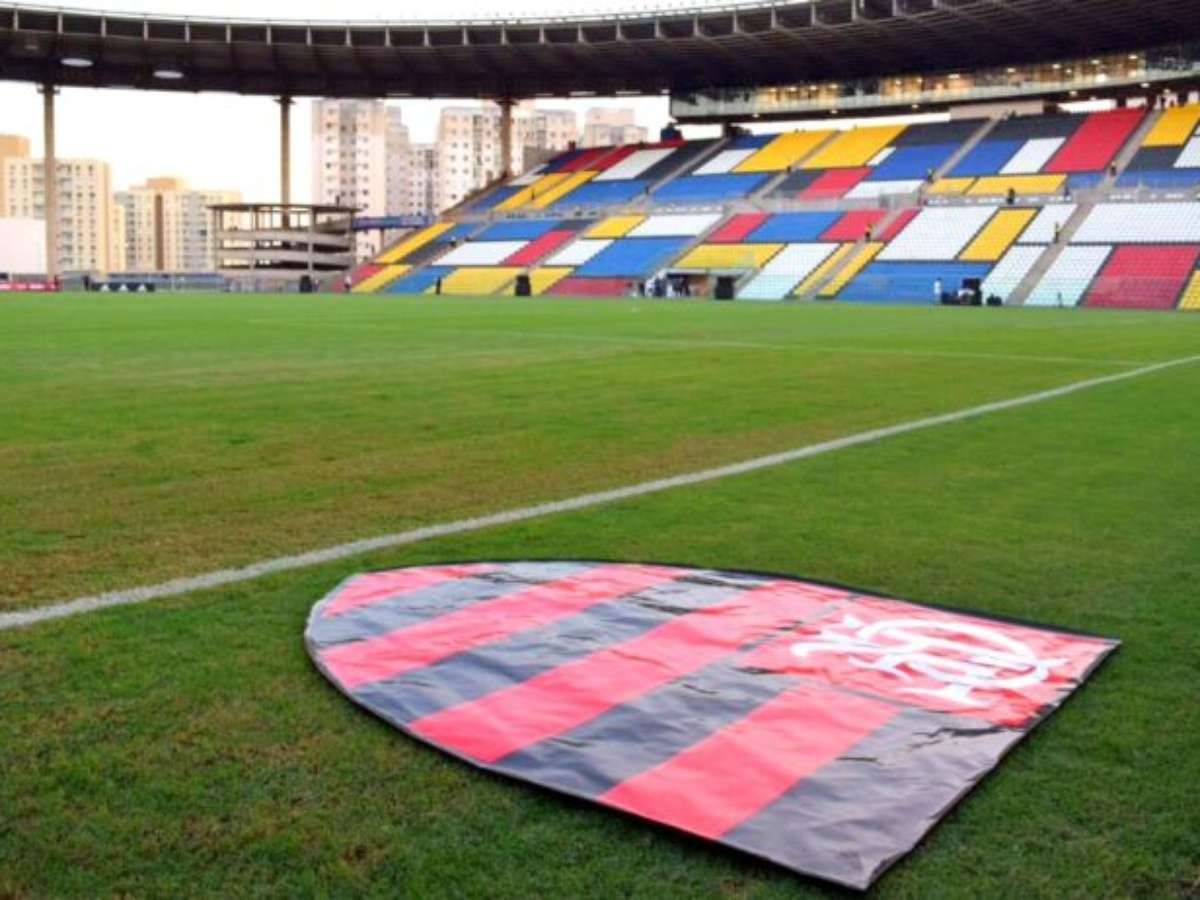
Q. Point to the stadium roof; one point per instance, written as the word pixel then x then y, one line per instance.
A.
pixel 735 45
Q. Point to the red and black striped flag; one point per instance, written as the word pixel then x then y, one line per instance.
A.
pixel 813 725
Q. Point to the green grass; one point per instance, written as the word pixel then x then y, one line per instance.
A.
pixel 187 747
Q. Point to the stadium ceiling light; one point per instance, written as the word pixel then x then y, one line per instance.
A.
pixel 77 62
pixel 167 73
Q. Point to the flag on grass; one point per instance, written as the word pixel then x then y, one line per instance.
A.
pixel 814 725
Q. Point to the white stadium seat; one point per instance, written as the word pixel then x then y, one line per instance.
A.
pixel 675 226
pixel 1041 229
pixel 1011 270
pixel 481 253
pixel 788 268
pixel 725 162
pixel 1032 156
pixel 937 233
pixel 577 254
pixel 635 164
pixel 1066 281
pixel 1141 223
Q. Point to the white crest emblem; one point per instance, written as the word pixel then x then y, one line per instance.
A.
pixel 989 660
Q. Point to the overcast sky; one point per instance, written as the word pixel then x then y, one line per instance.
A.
pixel 226 141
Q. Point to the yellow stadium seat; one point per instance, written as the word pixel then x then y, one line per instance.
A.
pixel 533 191
pixel 821 272
pixel 786 150
pixel 560 190
pixel 1174 128
pixel 951 185
pixel 1191 295
pixel 998 235
pixel 1021 185
pixel 381 279
pixel 541 280
pixel 472 281
pixel 866 253
pixel 615 227
pixel 729 256
pixel 413 243
pixel 853 148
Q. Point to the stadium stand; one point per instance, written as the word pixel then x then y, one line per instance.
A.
pixel 1169 156
pixel 1042 155
pixel 605 221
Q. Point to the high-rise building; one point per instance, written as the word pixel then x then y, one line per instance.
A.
pixel 424 191
pixel 168 227
pixel 86 242
pixel 469 151
pixel 607 127
pixel 358 146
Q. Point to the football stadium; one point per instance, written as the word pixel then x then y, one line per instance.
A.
pixel 798 501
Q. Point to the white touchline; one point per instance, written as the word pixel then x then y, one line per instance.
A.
pixel 222 577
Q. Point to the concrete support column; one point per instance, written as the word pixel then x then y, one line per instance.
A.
pixel 285 149
pixel 506 133
pixel 50 181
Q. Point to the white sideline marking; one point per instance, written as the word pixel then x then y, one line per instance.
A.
pixel 221 577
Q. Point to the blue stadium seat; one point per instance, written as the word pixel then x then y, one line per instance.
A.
pixel 708 188
pixel 633 257
pixel 912 162
pixel 418 282
pixel 987 158
pixel 903 282
pixel 519 230
pixel 597 194
pixel 793 227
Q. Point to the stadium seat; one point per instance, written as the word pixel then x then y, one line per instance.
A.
pixel 1143 223
pixel 938 233
pixel 1191 294
pixel 1065 282
pixel 537 250
pixel 1139 276
pixel 591 287
pixel 478 281
pixel 1042 229
pixel 615 227
pixel 786 269
pixel 481 253
pixel 708 189
pixel 633 257
pixel 419 281
pixel 862 257
pixel 675 225
pixel 853 225
pixel 1011 270
pixel 907 282
pixel 380 279
pixel 785 151
pixel 795 227
pixel 853 148
pixel 414 242
pixel 728 257
pixel 998 235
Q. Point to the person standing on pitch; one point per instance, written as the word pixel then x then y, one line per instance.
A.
pixel 937 290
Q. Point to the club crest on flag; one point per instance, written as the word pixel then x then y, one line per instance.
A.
pixel 817 726
pixel 963 656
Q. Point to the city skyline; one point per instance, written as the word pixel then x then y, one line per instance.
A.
pixel 221 141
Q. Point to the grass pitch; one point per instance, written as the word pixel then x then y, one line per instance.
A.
pixel 187 747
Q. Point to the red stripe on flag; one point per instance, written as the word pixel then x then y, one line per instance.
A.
pixel 734 773
pixel 485 622
pixel 368 589
pixel 556 701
